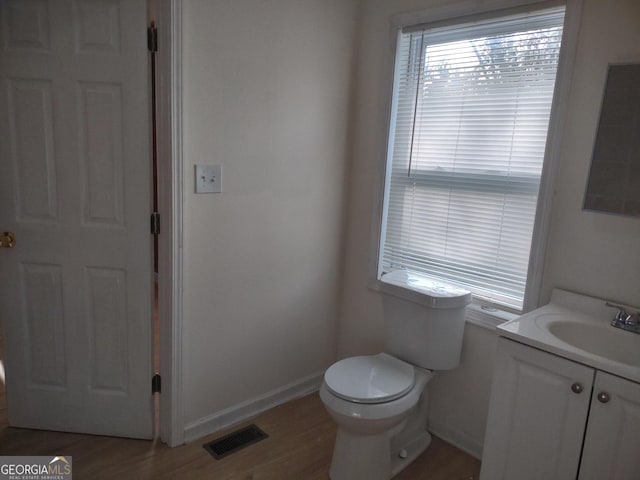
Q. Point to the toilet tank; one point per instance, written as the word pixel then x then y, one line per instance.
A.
pixel 424 319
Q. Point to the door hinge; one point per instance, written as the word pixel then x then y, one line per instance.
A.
pixel 152 38
pixel 155 223
pixel 156 384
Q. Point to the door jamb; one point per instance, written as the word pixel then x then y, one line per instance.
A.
pixel 171 201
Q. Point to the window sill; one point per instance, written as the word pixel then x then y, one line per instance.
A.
pixel 483 316
pixel 487 317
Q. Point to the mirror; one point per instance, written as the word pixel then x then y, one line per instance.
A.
pixel 614 178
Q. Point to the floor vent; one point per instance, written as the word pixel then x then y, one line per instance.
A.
pixel 234 441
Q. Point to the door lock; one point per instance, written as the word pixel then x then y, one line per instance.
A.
pixel 7 240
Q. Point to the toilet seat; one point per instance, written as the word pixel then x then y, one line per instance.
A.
pixel 370 379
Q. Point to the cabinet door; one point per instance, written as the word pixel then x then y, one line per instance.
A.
pixel 613 431
pixel 536 420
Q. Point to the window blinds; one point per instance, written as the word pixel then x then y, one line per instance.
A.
pixel 466 147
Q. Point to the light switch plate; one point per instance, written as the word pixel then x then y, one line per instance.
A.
pixel 208 178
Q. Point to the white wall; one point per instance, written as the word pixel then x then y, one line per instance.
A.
pixel 591 253
pixel 266 94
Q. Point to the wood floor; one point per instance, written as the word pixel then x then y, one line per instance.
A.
pixel 299 446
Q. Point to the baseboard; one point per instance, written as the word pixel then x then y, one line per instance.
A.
pixel 250 408
pixel 457 438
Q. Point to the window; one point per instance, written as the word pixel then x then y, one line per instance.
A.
pixel 467 142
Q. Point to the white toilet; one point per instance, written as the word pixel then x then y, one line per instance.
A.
pixel 379 401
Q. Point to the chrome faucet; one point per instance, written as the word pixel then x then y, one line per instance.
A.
pixel 624 320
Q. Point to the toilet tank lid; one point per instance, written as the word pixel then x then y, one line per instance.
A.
pixel 425 290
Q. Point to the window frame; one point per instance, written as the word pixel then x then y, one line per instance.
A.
pixel 489 314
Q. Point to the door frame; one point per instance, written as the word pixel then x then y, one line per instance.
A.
pixel 168 18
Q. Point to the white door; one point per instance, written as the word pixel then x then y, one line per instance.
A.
pixel 613 432
pixel 75 291
pixel 537 416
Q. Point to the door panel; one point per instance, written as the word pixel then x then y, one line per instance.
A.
pixel 31 135
pixel 101 150
pixel 75 291
pixel 613 432
pixel 536 422
pixel 43 312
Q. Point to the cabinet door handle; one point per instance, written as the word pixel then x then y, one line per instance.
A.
pixel 577 387
pixel 603 397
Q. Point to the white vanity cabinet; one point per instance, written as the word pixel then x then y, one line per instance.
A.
pixel 542 409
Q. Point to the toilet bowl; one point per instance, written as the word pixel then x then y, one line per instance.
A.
pixel 371 412
pixel 379 402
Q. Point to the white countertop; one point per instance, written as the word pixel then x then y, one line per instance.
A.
pixel 588 320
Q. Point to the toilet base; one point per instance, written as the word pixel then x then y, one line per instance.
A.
pixel 368 456
pixel 412 450
pixel 360 457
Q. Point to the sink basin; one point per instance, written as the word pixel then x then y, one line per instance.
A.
pixel 577 327
pixel 599 339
